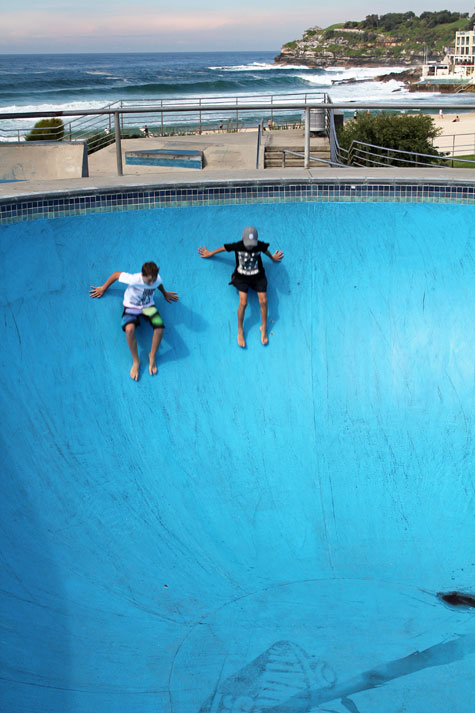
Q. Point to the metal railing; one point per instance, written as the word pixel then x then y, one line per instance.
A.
pixel 120 119
pixel 455 144
pixel 165 117
pixel 364 154
pixel 326 161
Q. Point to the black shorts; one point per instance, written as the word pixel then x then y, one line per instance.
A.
pixel 258 283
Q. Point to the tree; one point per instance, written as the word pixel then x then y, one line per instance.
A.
pixel 47 130
pixel 371 21
pixel 389 132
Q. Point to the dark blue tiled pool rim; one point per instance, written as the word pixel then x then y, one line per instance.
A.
pixel 83 202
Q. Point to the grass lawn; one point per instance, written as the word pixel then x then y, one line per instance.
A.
pixel 461 162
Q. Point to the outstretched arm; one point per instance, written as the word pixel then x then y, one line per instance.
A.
pixel 99 291
pixel 204 252
pixel 276 257
pixel 169 296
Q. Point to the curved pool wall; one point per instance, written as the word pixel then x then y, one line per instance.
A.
pixel 267 529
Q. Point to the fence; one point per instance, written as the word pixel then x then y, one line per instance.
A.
pixel 162 117
pixel 167 117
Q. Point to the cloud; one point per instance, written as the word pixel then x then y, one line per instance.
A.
pixel 37 25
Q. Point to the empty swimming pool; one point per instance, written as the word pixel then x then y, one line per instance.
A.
pixel 270 529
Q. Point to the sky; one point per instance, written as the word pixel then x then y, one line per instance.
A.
pixel 179 25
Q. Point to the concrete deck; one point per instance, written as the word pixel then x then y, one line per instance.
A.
pixel 222 151
pixel 180 176
pixel 228 157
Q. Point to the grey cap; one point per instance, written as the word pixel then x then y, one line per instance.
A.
pixel 249 236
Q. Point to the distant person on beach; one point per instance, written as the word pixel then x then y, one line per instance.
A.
pixel 138 301
pixel 248 274
pixel 457 118
pixel 441 114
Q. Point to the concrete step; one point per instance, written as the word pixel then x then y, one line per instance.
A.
pixel 313 164
pixel 300 149
pixel 273 156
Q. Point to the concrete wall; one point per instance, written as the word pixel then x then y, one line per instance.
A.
pixel 43 159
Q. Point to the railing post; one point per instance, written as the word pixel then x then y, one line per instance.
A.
pixel 118 147
pixel 259 129
pixel 306 161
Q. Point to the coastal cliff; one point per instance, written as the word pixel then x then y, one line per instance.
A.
pixel 392 39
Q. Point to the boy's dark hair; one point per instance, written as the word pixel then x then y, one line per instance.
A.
pixel 149 269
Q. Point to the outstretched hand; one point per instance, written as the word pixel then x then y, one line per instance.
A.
pixel 170 296
pixel 277 256
pixel 96 291
pixel 204 252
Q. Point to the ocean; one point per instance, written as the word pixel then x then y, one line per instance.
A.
pixel 49 82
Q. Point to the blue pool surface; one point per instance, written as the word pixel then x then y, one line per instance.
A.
pixel 259 530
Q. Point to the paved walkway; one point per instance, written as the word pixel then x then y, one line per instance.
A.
pixel 232 157
pixel 222 151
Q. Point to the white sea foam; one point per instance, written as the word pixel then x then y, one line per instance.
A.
pixel 332 75
pixel 69 106
pixel 9 124
pixel 363 72
pixel 101 74
pixel 258 67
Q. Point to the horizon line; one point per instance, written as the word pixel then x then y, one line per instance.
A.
pixel 6 54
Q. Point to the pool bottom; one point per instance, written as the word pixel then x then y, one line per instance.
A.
pixel 258 529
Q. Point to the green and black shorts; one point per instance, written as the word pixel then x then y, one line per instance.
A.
pixel 151 314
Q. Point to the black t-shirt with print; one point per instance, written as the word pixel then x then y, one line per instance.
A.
pixel 248 262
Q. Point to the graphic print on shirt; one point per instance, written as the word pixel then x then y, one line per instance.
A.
pixel 248 263
pixel 142 297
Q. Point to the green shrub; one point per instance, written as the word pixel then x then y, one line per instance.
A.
pixel 47 130
pixel 392 131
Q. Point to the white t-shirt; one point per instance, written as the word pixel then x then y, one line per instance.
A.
pixel 138 294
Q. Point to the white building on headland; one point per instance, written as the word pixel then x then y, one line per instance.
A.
pixel 457 66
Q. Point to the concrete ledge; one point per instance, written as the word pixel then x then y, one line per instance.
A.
pixel 461 176
pixel 182 158
pixel 43 160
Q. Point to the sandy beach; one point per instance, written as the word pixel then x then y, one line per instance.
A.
pixel 457 136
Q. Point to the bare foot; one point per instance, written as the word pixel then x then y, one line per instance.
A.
pixel 264 337
pixel 134 372
pixel 241 340
pixel 152 367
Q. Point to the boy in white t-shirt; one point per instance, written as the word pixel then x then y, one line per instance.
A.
pixel 138 300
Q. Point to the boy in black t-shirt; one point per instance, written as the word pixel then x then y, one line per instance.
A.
pixel 249 273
